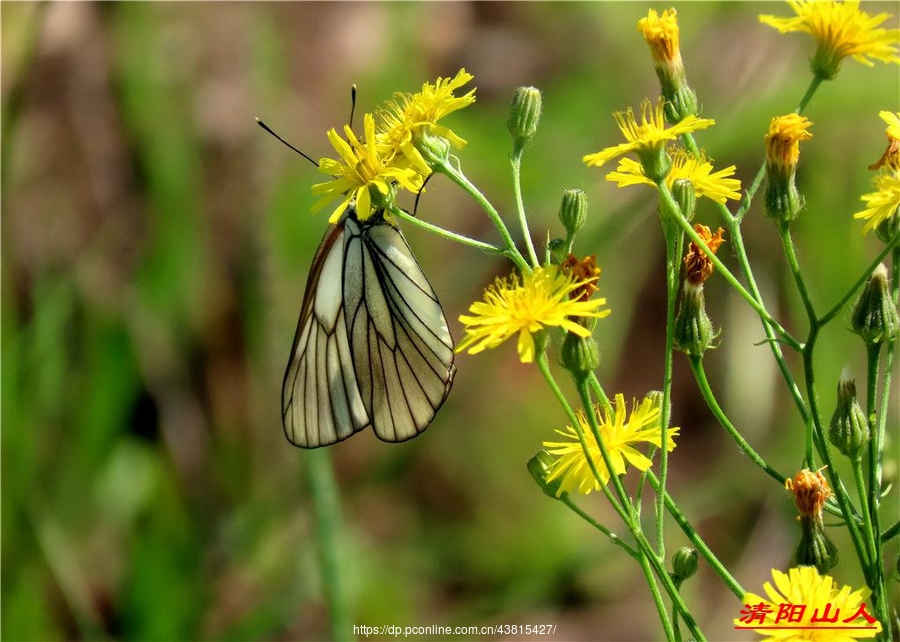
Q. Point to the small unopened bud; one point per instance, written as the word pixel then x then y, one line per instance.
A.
pixel 684 564
pixel 539 467
pixel 524 116
pixel 888 228
pixel 849 429
pixel 814 548
pixel 874 317
pixel 573 210
pixel 434 149
pixel 686 197
pixel 782 200
pixel 693 330
pixel 579 355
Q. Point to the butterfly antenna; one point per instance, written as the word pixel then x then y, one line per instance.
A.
pixel 352 103
pixel 269 129
pixel 419 194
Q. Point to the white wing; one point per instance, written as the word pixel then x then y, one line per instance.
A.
pixel 372 346
pixel 402 349
pixel 320 400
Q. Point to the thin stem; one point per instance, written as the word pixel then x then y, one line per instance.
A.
pixel 515 160
pixel 726 273
pixel 674 240
pixel 695 539
pixel 657 598
pixel 872 514
pixel 891 533
pixel 329 536
pixel 711 402
pixel 810 91
pixel 612 537
pixel 544 367
pixel 447 234
pixel 828 316
pixel 459 178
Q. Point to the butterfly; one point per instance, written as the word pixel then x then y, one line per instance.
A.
pixel 372 346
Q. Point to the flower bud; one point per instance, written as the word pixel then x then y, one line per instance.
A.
pixel 539 466
pixel 434 149
pixel 573 210
pixel 686 197
pixel 814 548
pixel 782 200
pixel 888 228
pixel 579 355
pixel 684 564
pixel 524 116
pixel 849 429
pixel 693 329
pixel 661 34
pixel 874 316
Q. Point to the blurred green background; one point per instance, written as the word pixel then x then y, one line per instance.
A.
pixel 155 249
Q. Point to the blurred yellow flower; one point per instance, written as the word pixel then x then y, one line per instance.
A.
pixel 620 435
pixel 783 139
pixel 883 203
pixel 527 304
pixel 890 159
pixel 717 186
pixel 360 168
pixel 807 607
pixel 840 30
pixel 649 136
pixel 661 34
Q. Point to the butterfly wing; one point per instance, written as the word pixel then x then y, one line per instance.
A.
pixel 402 349
pixel 320 401
pixel 372 345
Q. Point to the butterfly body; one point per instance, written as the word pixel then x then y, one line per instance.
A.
pixel 372 346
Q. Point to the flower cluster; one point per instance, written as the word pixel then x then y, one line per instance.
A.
pixel 393 151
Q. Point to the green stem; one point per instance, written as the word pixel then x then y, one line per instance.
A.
pixel 515 160
pixel 674 241
pixel 666 196
pixel 459 178
pixel 329 536
pixel 873 512
pixel 664 619
pixel 870 532
pixel 695 539
pixel 813 86
pixel 865 276
pixel 711 402
pixel 447 234
pixel 891 533
pixel 544 368
pixel 612 537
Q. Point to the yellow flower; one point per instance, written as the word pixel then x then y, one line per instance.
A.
pixel 890 159
pixel 717 186
pixel 619 435
pixel 783 139
pixel 650 137
pixel 526 304
pixel 661 34
pixel 360 169
pixel 883 203
pixel 840 30
pixel 807 607
pixel 404 120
